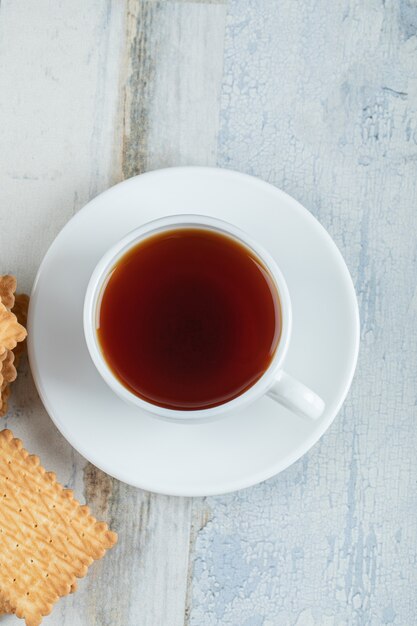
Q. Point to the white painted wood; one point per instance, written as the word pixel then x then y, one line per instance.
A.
pixel 184 114
pixel 172 77
pixel 59 72
pixel 59 77
pixel 174 63
pixel 83 100
pixel 59 93
pixel 319 98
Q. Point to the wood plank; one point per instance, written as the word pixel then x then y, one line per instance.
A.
pixel 143 581
pixel 174 69
pixel 59 76
pixel 65 145
pixel 172 79
pixel 190 1
pixel 58 81
pixel 320 98
pixel 57 152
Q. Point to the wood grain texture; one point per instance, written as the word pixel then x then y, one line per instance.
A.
pixel 59 77
pixel 104 104
pixel 58 73
pixel 174 62
pixel 189 1
pixel 320 98
pixel 171 79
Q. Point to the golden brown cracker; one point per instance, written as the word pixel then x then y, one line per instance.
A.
pixel 47 539
pixel 11 332
pixel 2 359
pixel 5 607
pixel 4 400
pixel 7 289
pixel 8 374
pixel 20 309
pixel 8 371
pixel 9 360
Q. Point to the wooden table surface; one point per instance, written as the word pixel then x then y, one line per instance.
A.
pixel 319 98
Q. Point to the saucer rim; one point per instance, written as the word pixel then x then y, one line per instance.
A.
pixel 282 463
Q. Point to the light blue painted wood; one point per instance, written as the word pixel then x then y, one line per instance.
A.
pixel 320 98
pixel 91 92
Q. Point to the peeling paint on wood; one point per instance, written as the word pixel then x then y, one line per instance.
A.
pixel 138 87
pixel 190 1
pixel 320 99
pixel 201 516
pixel 174 72
pixel 98 490
pixel 165 60
pixel 144 581
pixel 174 60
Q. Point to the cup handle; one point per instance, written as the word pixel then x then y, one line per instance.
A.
pixel 295 396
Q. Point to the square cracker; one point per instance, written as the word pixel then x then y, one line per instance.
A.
pixel 7 289
pixel 11 332
pixel 20 309
pixel 8 371
pixel 47 539
pixel 4 400
pixel 5 606
pixel 8 374
pixel 9 360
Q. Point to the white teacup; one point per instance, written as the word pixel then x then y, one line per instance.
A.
pixel 275 382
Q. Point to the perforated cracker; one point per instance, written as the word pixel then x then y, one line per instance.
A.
pixel 47 539
pixel 7 289
pixel 20 309
pixel 12 336
pixel 4 399
pixel 5 606
pixel 8 374
pixel 8 371
pixel 11 332
pixel 2 358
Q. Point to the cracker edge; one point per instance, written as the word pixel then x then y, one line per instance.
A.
pixel 102 527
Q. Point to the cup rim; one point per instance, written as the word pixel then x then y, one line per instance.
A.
pixel 95 290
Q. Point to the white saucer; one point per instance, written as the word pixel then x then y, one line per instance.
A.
pixel 240 449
